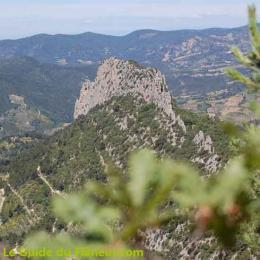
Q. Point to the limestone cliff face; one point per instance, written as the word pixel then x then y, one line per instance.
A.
pixel 119 78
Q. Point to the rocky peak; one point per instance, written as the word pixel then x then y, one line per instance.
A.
pixel 120 78
pixel 117 78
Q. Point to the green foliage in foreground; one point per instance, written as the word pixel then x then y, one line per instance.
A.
pixel 251 61
pixel 74 155
pixel 114 214
pixel 248 141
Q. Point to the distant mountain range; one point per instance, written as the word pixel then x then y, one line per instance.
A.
pixel 47 71
pixel 192 60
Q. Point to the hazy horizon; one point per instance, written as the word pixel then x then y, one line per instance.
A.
pixel 124 34
pixel 24 18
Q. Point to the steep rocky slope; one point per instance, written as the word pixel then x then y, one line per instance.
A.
pixel 120 117
pixel 120 78
pixel 117 78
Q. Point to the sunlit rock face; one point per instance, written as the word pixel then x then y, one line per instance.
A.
pixel 119 78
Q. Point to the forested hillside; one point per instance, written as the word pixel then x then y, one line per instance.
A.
pixel 125 118
pixel 36 97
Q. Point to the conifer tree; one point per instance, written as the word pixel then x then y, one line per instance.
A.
pixel 114 214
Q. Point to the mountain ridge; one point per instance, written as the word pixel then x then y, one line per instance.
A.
pixel 90 36
pixel 127 34
pixel 118 78
pixel 108 131
pixel 192 60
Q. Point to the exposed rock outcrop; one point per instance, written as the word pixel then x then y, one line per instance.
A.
pixel 119 78
pixel 2 199
pixel 204 142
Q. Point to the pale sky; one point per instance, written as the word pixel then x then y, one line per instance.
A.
pixel 20 18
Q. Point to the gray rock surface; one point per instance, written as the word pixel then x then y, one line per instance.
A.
pixel 119 78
